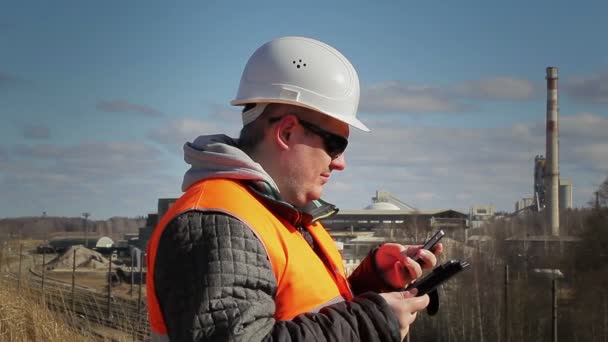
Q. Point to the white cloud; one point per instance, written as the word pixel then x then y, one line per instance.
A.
pixel 177 132
pixel 36 131
pixel 465 166
pixel 499 88
pixel 393 96
pixel 221 120
pixel 584 126
pixel 593 89
pixel 122 106
pixel 97 177
pixel 424 196
pixel 401 97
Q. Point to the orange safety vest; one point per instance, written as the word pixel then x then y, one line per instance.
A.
pixel 305 282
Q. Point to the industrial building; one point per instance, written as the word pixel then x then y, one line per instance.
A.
pixel 356 231
pixel 480 214
pixel 523 204
pixel 60 244
pixel 541 184
pixel 565 194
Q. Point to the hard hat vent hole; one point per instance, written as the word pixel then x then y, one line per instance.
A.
pixel 298 63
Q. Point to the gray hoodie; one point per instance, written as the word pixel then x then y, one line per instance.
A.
pixel 217 156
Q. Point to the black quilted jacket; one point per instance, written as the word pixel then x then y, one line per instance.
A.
pixel 214 282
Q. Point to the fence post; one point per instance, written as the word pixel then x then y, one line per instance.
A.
pixel 132 273
pixel 554 308
pixel 42 285
pixel 110 286
pixel 506 293
pixel 19 271
pixel 141 262
pixel 73 278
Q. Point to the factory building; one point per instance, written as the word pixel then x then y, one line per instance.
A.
pixel 524 203
pixel 539 182
pixel 565 197
pixel 565 194
pixel 388 218
pixel 479 214
pixel 356 231
pixel 60 244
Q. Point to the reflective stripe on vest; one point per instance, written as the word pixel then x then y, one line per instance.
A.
pixel 305 282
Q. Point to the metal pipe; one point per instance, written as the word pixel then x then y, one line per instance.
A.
pixel 552 166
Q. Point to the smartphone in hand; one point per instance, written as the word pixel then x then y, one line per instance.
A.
pixel 430 244
pixel 438 276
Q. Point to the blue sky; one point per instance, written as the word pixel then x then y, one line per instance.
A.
pixel 97 98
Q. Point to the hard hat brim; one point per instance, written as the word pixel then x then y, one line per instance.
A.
pixel 351 121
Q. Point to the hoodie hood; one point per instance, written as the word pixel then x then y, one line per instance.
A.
pixel 217 156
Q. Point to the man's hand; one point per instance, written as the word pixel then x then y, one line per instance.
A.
pixel 397 266
pixel 405 306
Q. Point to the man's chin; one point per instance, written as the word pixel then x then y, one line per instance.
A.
pixel 314 196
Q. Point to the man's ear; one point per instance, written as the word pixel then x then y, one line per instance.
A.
pixel 283 131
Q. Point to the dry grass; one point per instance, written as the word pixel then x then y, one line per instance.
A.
pixel 24 319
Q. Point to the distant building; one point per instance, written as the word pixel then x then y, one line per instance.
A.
pixel 354 229
pixel 524 203
pixel 565 188
pixel 163 205
pixel 539 182
pixel 357 230
pixel 61 244
pixel 479 214
pixel 565 194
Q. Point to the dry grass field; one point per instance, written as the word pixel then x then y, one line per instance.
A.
pixel 23 319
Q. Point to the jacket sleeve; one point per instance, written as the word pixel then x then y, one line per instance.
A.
pixel 366 277
pixel 214 282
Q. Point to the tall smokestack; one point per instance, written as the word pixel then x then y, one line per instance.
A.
pixel 552 166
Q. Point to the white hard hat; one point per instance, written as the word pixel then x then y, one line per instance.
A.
pixel 302 72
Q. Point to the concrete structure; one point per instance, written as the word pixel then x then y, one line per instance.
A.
pixel 525 203
pixel 385 201
pixel 539 189
pixel 355 229
pixel 552 147
pixel 479 214
pixel 62 243
pixel 163 206
pixel 565 194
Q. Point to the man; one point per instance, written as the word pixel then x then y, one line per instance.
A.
pixel 241 255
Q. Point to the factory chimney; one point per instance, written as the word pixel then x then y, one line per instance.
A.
pixel 552 165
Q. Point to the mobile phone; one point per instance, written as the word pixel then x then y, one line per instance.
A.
pixel 430 243
pixel 438 276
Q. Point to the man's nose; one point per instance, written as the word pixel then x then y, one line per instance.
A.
pixel 338 163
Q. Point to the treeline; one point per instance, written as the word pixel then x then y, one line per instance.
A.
pixel 506 297
pixel 43 228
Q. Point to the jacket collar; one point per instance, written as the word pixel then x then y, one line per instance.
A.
pixel 297 216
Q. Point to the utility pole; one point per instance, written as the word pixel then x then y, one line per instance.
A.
pixel 554 309
pixel 86 235
pixel 110 287
pixel 506 320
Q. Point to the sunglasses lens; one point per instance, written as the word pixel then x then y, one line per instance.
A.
pixel 335 145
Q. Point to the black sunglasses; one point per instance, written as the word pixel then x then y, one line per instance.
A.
pixel 334 144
